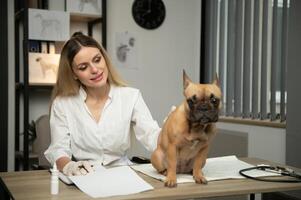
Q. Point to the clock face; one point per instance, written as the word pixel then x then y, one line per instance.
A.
pixel 149 14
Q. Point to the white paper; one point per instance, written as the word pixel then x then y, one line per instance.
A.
pixel 218 168
pixel 110 182
pixel 68 181
pixel 65 179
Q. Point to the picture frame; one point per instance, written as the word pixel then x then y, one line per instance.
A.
pixel 43 68
pixel 84 7
pixel 48 25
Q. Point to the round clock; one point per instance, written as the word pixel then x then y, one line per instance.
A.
pixel 148 14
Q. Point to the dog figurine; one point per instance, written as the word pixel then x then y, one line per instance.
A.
pixel 184 140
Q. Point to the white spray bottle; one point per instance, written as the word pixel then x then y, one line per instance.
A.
pixel 54 183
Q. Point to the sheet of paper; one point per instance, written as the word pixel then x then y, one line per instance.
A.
pixel 68 181
pixel 110 182
pixel 219 168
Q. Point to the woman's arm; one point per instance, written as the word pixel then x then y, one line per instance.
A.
pixel 61 162
pixel 60 134
pixel 145 127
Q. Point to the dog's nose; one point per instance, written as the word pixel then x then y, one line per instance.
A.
pixel 203 107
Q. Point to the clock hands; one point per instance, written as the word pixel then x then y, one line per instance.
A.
pixel 149 8
pixel 149 5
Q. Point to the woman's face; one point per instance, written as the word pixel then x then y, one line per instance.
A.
pixel 90 68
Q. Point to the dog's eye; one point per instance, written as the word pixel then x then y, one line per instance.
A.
pixel 190 103
pixel 213 99
pixel 193 98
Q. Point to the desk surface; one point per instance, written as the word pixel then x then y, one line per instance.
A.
pixel 33 185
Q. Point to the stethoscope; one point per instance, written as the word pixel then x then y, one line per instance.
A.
pixel 283 171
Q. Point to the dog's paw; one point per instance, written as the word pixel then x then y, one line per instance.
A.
pixel 200 179
pixel 170 182
pixel 164 172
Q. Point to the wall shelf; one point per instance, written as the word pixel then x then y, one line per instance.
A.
pixel 84 17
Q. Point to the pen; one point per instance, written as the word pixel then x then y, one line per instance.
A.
pixel 83 167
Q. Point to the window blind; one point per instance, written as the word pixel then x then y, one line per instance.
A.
pixel 245 43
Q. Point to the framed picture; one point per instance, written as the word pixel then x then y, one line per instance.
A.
pixel 43 68
pixel 48 25
pixel 87 7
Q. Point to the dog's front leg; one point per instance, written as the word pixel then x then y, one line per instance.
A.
pixel 199 163
pixel 171 179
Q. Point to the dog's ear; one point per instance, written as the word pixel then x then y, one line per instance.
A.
pixel 186 80
pixel 216 80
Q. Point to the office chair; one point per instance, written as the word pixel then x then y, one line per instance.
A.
pixel 42 141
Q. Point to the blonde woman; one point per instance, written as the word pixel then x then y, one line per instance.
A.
pixel 92 111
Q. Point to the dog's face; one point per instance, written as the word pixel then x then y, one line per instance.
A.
pixel 203 101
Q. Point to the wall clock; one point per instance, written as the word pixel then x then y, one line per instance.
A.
pixel 148 14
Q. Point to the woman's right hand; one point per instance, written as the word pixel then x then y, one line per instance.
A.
pixel 77 168
pixel 171 110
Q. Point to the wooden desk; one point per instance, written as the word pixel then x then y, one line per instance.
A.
pixel 35 185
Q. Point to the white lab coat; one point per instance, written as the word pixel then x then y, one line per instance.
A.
pixel 75 133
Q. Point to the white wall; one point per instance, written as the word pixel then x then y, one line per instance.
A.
pixel 263 142
pixel 162 53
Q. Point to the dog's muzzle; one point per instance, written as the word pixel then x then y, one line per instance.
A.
pixel 203 114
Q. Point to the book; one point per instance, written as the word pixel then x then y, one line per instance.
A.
pixel 34 46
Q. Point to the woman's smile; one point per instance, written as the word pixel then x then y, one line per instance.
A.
pixel 97 78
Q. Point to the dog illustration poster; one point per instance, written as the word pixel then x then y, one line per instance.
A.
pixel 43 68
pixel 48 25
pixel 125 50
pixel 89 7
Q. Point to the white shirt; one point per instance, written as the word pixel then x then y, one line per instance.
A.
pixel 75 133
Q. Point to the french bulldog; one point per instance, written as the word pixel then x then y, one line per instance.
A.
pixel 184 141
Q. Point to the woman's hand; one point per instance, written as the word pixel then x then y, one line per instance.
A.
pixel 171 110
pixel 77 168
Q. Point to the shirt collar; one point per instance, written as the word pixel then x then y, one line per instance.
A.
pixel 83 93
pixel 112 91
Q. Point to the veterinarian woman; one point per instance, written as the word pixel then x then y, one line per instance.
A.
pixel 92 111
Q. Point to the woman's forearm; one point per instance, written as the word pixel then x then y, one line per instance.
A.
pixel 61 162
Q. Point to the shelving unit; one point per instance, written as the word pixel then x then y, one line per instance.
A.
pixel 22 85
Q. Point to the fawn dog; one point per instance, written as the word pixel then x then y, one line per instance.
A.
pixel 184 140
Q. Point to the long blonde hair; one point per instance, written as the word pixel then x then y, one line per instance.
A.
pixel 66 85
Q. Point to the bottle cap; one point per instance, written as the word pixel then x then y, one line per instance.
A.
pixel 54 166
pixel 54 169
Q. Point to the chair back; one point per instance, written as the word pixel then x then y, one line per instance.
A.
pixel 43 139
